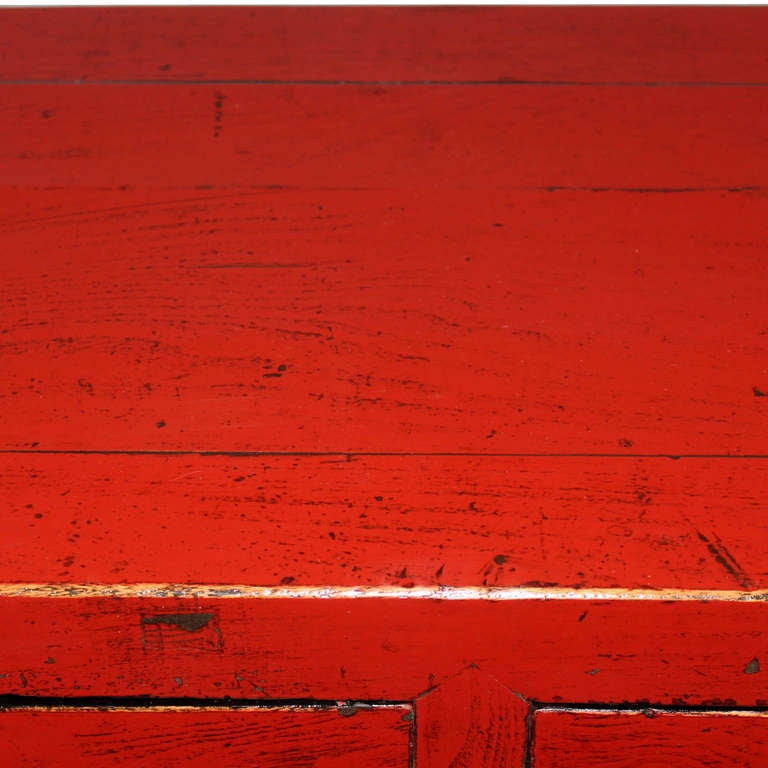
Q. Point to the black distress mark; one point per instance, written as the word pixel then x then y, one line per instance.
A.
pixel 218 114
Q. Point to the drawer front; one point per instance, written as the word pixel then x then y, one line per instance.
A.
pixel 300 737
pixel 650 739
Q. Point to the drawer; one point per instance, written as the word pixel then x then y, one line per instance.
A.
pixel 334 737
pixel 650 738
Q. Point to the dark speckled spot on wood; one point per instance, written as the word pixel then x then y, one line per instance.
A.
pixel 181 632
pixel 190 622
pixel 752 668
pixel 218 114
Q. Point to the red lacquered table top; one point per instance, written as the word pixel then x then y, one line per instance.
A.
pixel 386 356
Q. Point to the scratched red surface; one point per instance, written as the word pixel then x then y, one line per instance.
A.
pixel 486 138
pixel 389 297
pixel 558 651
pixel 378 521
pixel 533 322
pixel 472 720
pixel 633 45
pixel 650 738
pixel 267 738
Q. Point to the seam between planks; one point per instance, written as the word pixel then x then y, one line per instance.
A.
pixel 190 704
pixel 652 709
pixel 332 592
pixel 352 454
pixel 240 189
pixel 393 83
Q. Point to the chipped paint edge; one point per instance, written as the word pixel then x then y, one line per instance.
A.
pixel 651 711
pixel 242 591
pixel 358 706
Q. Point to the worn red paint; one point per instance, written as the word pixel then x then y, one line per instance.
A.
pixel 384 521
pixel 390 44
pixel 384 321
pixel 579 650
pixel 393 299
pixel 471 720
pixel 269 738
pixel 487 138
pixel 649 738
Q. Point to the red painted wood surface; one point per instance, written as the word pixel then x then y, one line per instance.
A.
pixel 650 739
pixel 320 298
pixel 384 321
pixel 572 44
pixel 268 738
pixel 660 651
pixel 385 520
pixel 473 721
pixel 485 138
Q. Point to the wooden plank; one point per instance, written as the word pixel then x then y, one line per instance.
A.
pixel 384 321
pixel 268 738
pixel 659 651
pixel 651 738
pixel 471 721
pixel 539 44
pixel 429 137
pixel 385 521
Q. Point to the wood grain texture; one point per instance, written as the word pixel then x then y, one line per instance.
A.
pixel 384 321
pixel 662 652
pixel 650 739
pixel 592 44
pixel 321 298
pixel 266 738
pixel 385 520
pixel 428 137
pixel 471 721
